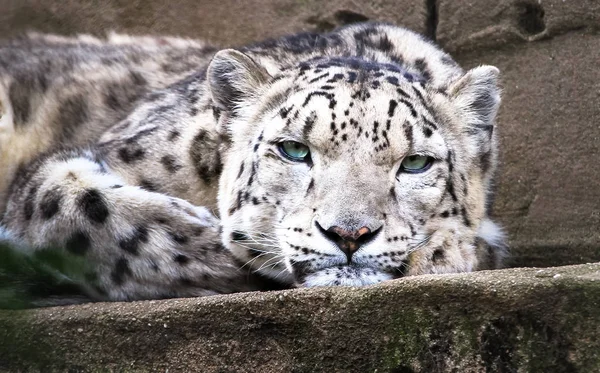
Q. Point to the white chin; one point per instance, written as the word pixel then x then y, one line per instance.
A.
pixel 346 276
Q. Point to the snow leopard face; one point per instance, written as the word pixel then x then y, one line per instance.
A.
pixel 342 171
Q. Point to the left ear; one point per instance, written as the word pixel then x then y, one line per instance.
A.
pixel 477 97
pixel 233 78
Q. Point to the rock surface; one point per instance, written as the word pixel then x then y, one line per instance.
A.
pixel 228 22
pixel 515 320
pixel 478 24
pixel 549 125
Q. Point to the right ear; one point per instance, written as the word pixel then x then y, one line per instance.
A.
pixel 233 78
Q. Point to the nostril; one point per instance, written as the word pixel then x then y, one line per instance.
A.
pixel 328 233
pixel 367 236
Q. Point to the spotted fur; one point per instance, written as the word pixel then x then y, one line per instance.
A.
pixel 110 146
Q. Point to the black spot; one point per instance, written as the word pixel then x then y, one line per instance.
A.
pixel 445 214
pixel 73 112
pixel 402 92
pixel 283 112
pixel 120 271
pixel 413 112
pixel 93 205
pixel 20 93
pixel 204 152
pixel 238 236
pixel 131 155
pixel 254 253
pixel 241 171
pixel 132 244
pixel 466 219
pixel 421 65
pixel 324 75
pixel 120 96
pixel 186 282
pixel 429 123
pixel 29 205
pixel 316 93
pixel 408 132
pixel 170 164
pixel 173 135
pixel 427 132
pixel 50 204
pixel 148 185
pixel 310 185
pixel 309 123
pixel 181 259
pixel 486 162
pixel 180 238
pixel 79 243
pixel 392 108
pixel 450 188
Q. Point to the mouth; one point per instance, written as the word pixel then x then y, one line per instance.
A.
pixel 344 275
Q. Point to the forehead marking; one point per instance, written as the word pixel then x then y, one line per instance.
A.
pixel 413 112
pixel 309 124
pixel 392 108
pixel 401 92
pixel 327 95
pixel 324 75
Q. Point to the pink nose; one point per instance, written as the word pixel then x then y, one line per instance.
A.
pixel 348 241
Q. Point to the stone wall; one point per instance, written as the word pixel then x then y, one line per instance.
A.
pixel 517 320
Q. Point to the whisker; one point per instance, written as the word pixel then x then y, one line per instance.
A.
pixel 265 263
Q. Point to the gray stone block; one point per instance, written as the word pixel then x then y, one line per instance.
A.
pixel 548 189
pixel 468 25
pixel 228 22
pixel 516 320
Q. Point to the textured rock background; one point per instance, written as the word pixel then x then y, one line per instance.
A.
pixel 523 320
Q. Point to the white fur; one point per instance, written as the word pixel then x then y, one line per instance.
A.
pixel 492 234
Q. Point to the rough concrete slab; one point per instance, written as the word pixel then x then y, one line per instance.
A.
pixel 549 194
pixel 228 22
pixel 467 25
pixel 516 320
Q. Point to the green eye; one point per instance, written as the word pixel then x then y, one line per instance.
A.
pixel 294 150
pixel 414 164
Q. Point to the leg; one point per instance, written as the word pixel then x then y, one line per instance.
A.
pixel 136 244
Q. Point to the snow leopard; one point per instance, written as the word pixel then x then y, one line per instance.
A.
pixel 172 168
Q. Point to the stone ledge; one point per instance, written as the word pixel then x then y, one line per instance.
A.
pixel 530 320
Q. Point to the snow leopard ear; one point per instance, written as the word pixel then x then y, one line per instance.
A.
pixel 477 96
pixel 233 78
